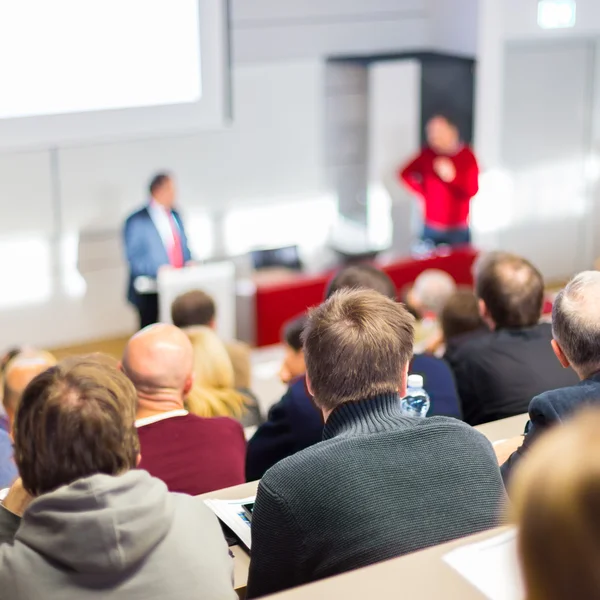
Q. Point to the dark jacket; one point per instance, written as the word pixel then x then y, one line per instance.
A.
pixel 145 250
pixel 551 408
pixel 498 374
pixel 294 423
pixel 380 485
pixel 439 384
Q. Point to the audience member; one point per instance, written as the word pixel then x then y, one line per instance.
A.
pixel 8 356
pixel 213 393
pixel 499 373
pixel 576 343
pixel 557 505
pixel 190 454
pixel 83 522
pixel 294 423
pixel 461 321
pixel 362 277
pixel 196 308
pixel 18 372
pixel 380 484
pixel 293 362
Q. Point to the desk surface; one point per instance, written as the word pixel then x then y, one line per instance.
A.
pixel 504 429
pixel 423 574
pixel 420 576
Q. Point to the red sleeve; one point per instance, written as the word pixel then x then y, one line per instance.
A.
pixel 466 182
pixel 412 173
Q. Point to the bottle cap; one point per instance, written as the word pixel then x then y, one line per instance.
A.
pixel 415 381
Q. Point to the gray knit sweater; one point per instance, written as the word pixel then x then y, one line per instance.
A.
pixel 378 486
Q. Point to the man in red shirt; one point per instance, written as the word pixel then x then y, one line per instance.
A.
pixel 445 174
pixel 190 454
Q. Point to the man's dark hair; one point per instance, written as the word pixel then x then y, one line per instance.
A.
pixel 362 277
pixel 356 346
pixel 576 324
pixel 292 332
pixel 158 181
pixel 193 308
pixel 460 314
pixel 511 288
pixel 75 420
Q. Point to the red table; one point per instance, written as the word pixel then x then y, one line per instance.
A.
pixel 277 303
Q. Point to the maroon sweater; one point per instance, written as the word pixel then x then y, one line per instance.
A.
pixel 193 455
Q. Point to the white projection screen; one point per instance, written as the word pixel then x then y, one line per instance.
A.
pixel 77 71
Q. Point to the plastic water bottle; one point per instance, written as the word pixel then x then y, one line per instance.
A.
pixel 416 403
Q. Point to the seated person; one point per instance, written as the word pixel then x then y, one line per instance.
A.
pixel 294 423
pixel 213 393
pixel 196 308
pixel 97 526
pixel 426 299
pixel 461 321
pixel 381 484
pixel 498 374
pixel 557 507
pixel 190 454
pixel 576 343
pixel 18 372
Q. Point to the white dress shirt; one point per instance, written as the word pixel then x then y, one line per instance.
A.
pixel 161 217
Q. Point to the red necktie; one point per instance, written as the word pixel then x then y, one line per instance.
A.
pixel 176 251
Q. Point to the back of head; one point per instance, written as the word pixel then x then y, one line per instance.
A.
pixel 511 288
pixel 192 309
pixel 75 420
pixel 159 362
pixel 431 291
pixel 357 345
pixel 460 314
pixel 556 497
pixel 576 322
pixel 19 372
pixel 292 332
pixel 213 393
pixel 362 277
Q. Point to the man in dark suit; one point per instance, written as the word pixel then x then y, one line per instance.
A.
pixel 576 343
pixel 154 239
pixel 381 484
pixel 498 373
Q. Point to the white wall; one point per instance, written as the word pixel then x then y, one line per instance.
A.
pixel 454 26
pixel 509 211
pixel 290 29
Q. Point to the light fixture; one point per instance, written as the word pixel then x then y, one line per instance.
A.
pixel 557 14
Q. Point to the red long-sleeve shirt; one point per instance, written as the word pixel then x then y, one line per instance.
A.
pixel 446 203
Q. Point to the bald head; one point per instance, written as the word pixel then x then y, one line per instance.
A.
pixel 511 289
pixel 576 322
pixel 431 291
pixel 20 371
pixel 159 362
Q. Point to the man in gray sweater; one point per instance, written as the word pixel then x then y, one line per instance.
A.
pixel 82 523
pixel 380 484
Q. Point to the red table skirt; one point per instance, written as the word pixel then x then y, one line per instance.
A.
pixel 278 303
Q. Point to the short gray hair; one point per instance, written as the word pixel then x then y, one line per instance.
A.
pixel 576 321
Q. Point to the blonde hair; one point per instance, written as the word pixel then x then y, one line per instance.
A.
pixel 556 498
pixel 213 393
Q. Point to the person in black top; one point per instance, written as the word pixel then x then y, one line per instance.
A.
pixel 381 484
pixel 576 343
pixel 499 373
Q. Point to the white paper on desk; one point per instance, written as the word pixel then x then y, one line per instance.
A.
pixel 491 566
pixel 231 512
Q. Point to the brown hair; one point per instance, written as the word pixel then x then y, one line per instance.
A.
pixel 357 345
pixel 460 314
pixel 511 288
pixel 193 308
pixel 556 499
pixel 75 420
pixel 362 277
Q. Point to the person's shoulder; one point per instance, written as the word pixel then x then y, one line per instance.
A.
pixel 476 347
pixel 582 391
pixel 217 423
pixel 139 214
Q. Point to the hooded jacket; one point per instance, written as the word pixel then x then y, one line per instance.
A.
pixel 118 537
